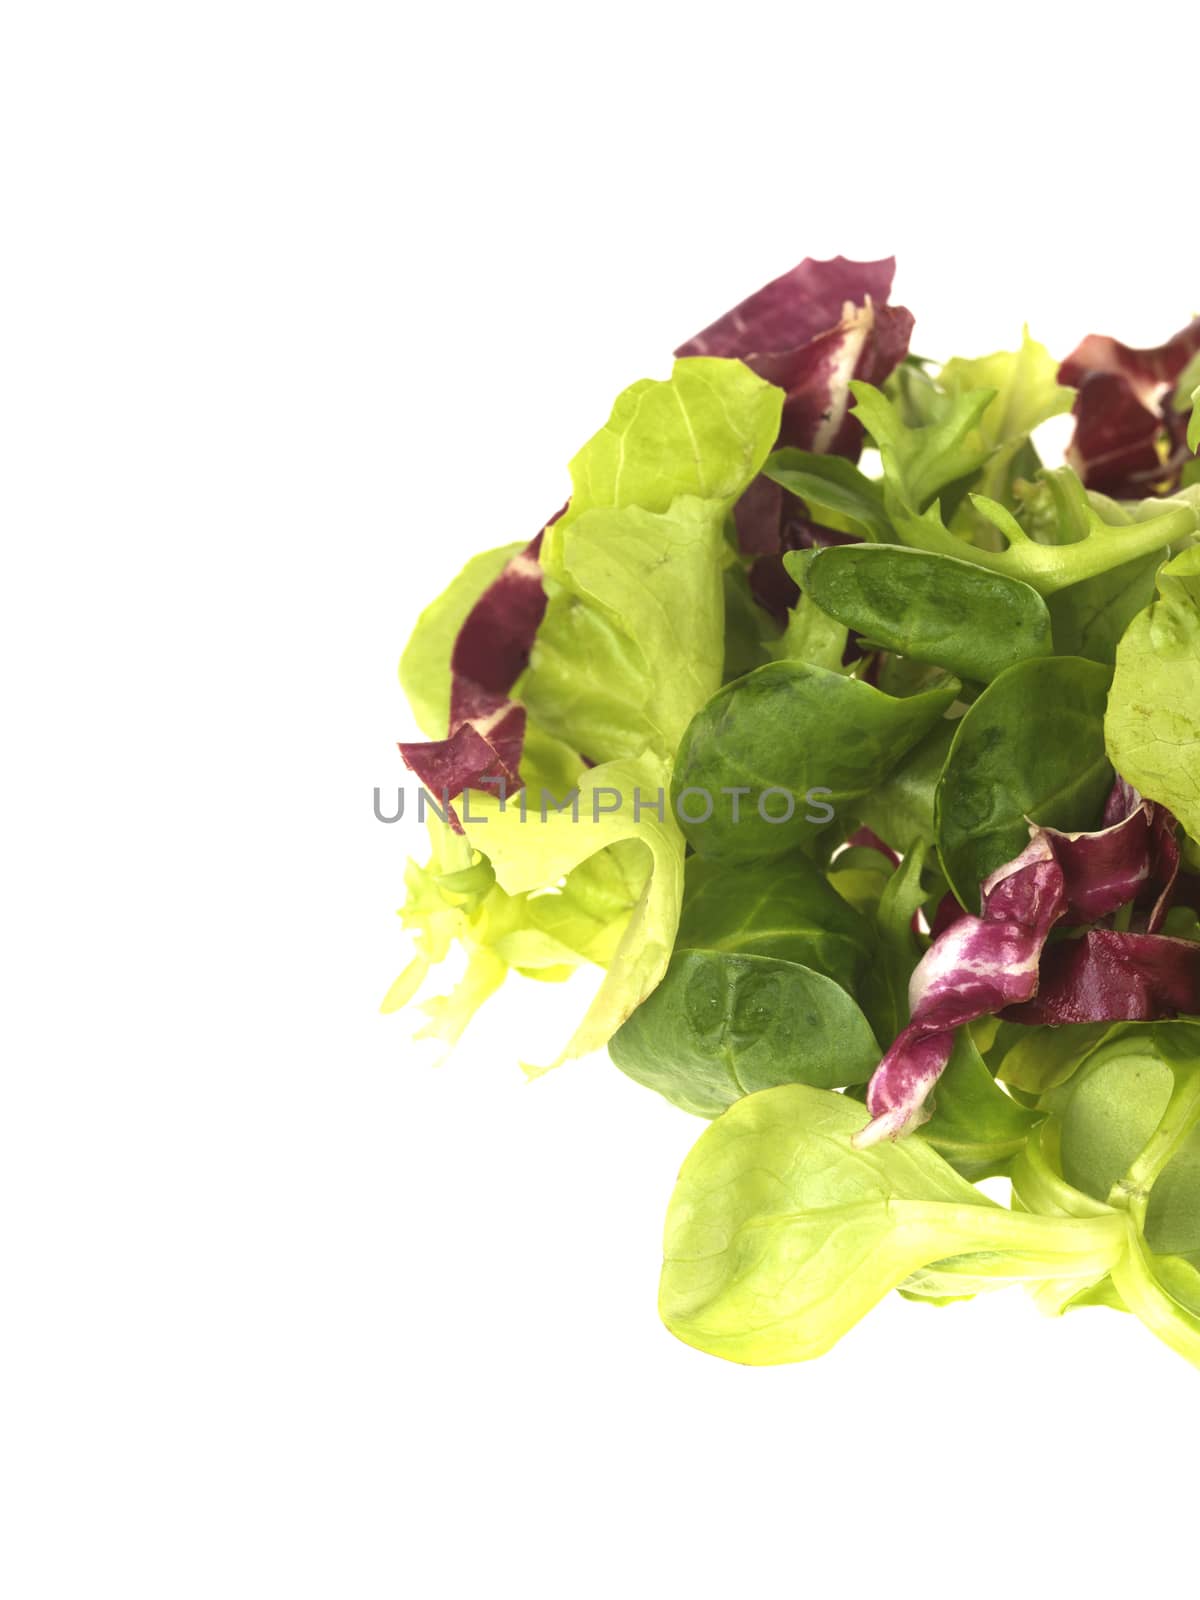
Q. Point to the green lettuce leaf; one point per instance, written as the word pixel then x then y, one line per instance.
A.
pixel 704 432
pixel 1152 726
pixel 633 640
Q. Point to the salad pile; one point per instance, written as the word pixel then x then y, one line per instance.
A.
pixel 860 751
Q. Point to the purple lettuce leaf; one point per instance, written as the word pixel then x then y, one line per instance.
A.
pixel 999 962
pixel 977 966
pixel 487 728
pixel 794 308
pixel 1108 976
pixel 810 332
pixel 1129 437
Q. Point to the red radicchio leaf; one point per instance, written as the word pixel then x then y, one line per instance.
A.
pixel 996 962
pixel 1114 977
pixel 794 308
pixel 869 840
pixel 977 966
pixel 1123 412
pixel 809 331
pixel 771 584
pixel 487 729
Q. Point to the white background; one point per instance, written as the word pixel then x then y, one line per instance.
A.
pixel 302 304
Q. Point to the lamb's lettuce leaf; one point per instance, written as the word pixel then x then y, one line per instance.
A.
pixel 833 489
pixel 780 1235
pixel 722 1025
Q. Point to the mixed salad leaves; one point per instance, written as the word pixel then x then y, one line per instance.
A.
pixel 859 750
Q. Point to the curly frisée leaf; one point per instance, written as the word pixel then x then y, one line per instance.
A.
pixel 530 851
pixel 920 462
pixel 780 1236
pixel 454 904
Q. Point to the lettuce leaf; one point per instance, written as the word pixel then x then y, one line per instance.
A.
pixel 1129 433
pixel 704 432
pixel 1152 726
pixel 633 641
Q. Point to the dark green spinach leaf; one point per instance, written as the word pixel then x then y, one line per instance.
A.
pixel 1031 747
pixel 779 753
pixel 720 1026
pixel 774 908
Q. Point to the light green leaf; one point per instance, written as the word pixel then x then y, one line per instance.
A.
pixel 632 643
pixel 425 664
pixel 1089 617
pixel 1044 1057
pixel 811 634
pixel 1152 726
pixel 704 432
pixel 1164 1292
pixel 1187 397
pixel 453 903
pixel 919 462
pixel 1027 393
pixel 1025 381
pixel 780 1236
